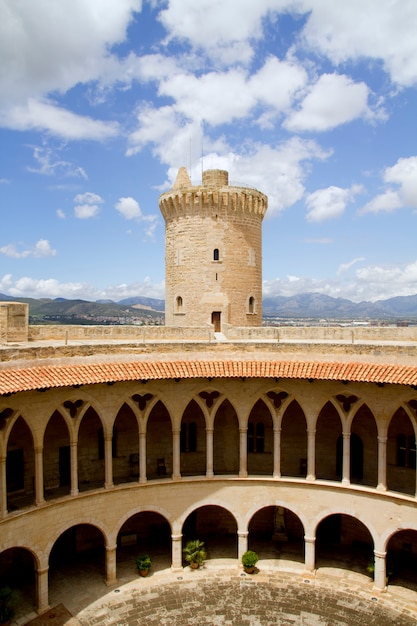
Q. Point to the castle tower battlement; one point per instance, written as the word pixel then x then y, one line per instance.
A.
pixel 213 252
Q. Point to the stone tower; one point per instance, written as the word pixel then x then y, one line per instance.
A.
pixel 213 252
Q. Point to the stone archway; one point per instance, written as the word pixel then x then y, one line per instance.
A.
pixel 17 571
pixel 401 559
pixel 217 527
pixel 345 542
pixel 146 532
pixel 275 532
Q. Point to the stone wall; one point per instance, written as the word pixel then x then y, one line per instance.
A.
pixel 13 321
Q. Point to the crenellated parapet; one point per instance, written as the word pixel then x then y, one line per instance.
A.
pixel 213 195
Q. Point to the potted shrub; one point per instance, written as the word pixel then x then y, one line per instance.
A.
pixel 8 602
pixel 195 553
pixel 249 560
pixel 143 563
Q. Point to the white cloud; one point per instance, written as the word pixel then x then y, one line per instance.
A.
pixel 49 164
pixel 87 205
pixel 329 203
pixel 53 288
pixel 333 100
pixel 344 267
pixel 47 46
pixel 46 115
pixel 401 188
pixel 129 208
pixel 42 248
pixel 61 214
pixel 354 30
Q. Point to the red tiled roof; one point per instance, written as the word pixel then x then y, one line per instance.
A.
pixel 49 376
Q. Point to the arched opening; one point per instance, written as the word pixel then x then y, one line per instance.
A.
pixel 78 549
pixel 401 454
pixel 328 430
pixel 179 304
pixel 216 254
pixel 277 533
pixel 143 533
pixel 20 467
pixel 294 442
pixel 226 440
pixel 251 305
pixel 343 541
pixel 159 443
pixel 260 440
pixel 401 559
pixel 17 572
pixel 193 441
pixel 90 452
pixel 364 448
pixel 216 527
pixel 126 459
pixel 56 458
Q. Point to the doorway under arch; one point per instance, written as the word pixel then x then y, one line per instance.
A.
pixel 217 527
pixel 344 541
pixel 275 532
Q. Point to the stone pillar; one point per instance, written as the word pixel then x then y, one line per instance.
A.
pixel 242 544
pixel 142 458
pixel 209 452
pixel 42 598
pixel 108 461
pixel 243 452
pixel 176 564
pixel 382 463
pixel 311 454
pixel 346 459
pixel 379 570
pixel 39 494
pixel 3 487
pixel 74 467
pixel 277 452
pixel 111 578
pixel 310 553
pixel 176 454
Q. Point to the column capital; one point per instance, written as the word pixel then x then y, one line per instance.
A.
pixel 380 555
pixel 309 539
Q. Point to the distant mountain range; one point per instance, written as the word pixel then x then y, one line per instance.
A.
pixel 307 305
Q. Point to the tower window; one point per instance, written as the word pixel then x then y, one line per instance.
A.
pixel 216 254
pixel 251 305
pixel 179 304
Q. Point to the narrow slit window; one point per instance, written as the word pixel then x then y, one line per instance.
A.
pixel 216 254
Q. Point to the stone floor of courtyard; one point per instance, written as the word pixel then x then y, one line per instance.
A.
pixel 220 594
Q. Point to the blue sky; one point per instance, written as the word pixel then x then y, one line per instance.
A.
pixel 313 102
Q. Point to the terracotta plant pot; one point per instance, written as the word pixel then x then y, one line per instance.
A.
pixel 194 565
pixel 143 572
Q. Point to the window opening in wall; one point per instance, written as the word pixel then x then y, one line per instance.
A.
pixel 256 437
pixel 179 304
pixel 101 443
pixel 188 437
pixel 251 307
pixel 216 275
pixel 406 450
pixel 216 254
pixel 216 321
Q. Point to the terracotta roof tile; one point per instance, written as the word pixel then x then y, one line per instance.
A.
pixel 48 376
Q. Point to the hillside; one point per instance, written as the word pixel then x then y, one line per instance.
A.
pixel 151 310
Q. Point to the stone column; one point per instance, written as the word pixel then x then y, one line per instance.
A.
pixel 42 598
pixel 74 467
pixel 243 452
pixel 379 570
pixel 176 454
pixel 39 494
pixel 310 553
pixel 311 454
pixel 242 544
pixel 108 461
pixel 3 487
pixel 176 564
pixel 382 463
pixel 209 453
pixel 142 458
pixel 277 452
pixel 346 459
pixel 111 578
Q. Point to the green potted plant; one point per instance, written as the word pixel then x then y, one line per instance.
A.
pixel 249 560
pixel 195 553
pixel 8 601
pixel 143 563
